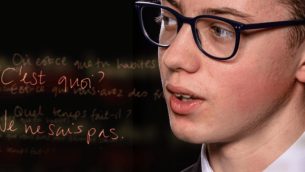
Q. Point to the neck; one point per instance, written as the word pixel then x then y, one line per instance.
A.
pixel 264 144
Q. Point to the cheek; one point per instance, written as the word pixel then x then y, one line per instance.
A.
pixel 257 81
pixel 245 94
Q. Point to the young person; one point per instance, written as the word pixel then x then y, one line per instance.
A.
pixel 233 74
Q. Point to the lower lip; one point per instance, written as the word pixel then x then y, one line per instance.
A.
pixel 184 107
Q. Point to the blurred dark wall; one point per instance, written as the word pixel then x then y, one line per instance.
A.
pixel 82 30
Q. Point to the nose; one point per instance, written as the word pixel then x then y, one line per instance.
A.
pixel 183 53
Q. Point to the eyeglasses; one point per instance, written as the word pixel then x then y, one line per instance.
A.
pixel 216 37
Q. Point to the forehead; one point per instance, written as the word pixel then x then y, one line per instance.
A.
pixel 259 9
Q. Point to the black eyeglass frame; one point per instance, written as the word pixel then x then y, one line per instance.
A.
pixel 238 26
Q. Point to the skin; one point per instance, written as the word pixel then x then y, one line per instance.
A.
pixel 253 107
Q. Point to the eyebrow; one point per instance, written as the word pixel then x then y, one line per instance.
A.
pixel 226 11
pixel 174 3
pixel 216 11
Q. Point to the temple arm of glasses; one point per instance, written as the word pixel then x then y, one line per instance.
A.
pixel 272 24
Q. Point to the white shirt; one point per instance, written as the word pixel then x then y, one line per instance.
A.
pixel 293 159
pixel 205 165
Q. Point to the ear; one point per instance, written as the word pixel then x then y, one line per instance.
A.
pixel 300 73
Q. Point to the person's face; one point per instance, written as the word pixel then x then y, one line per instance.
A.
pixel 234 97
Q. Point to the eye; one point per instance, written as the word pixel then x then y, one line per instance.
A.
pixel 222 32
pixel 166 21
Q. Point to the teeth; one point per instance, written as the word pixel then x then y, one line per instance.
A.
pixel 183 96
pixel 178 95
pixel 186 96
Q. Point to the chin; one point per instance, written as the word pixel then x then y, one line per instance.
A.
pixel 187 133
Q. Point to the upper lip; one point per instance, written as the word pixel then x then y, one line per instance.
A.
pixel 182 90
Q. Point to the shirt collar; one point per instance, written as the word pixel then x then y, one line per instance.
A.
pixel 205 165
pixel 293 159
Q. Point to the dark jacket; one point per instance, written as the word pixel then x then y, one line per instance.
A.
pixel 196 167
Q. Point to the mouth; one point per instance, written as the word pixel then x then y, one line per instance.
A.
pixel 184 97
pixel 183 101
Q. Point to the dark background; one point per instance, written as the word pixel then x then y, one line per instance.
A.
pixel 106 29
